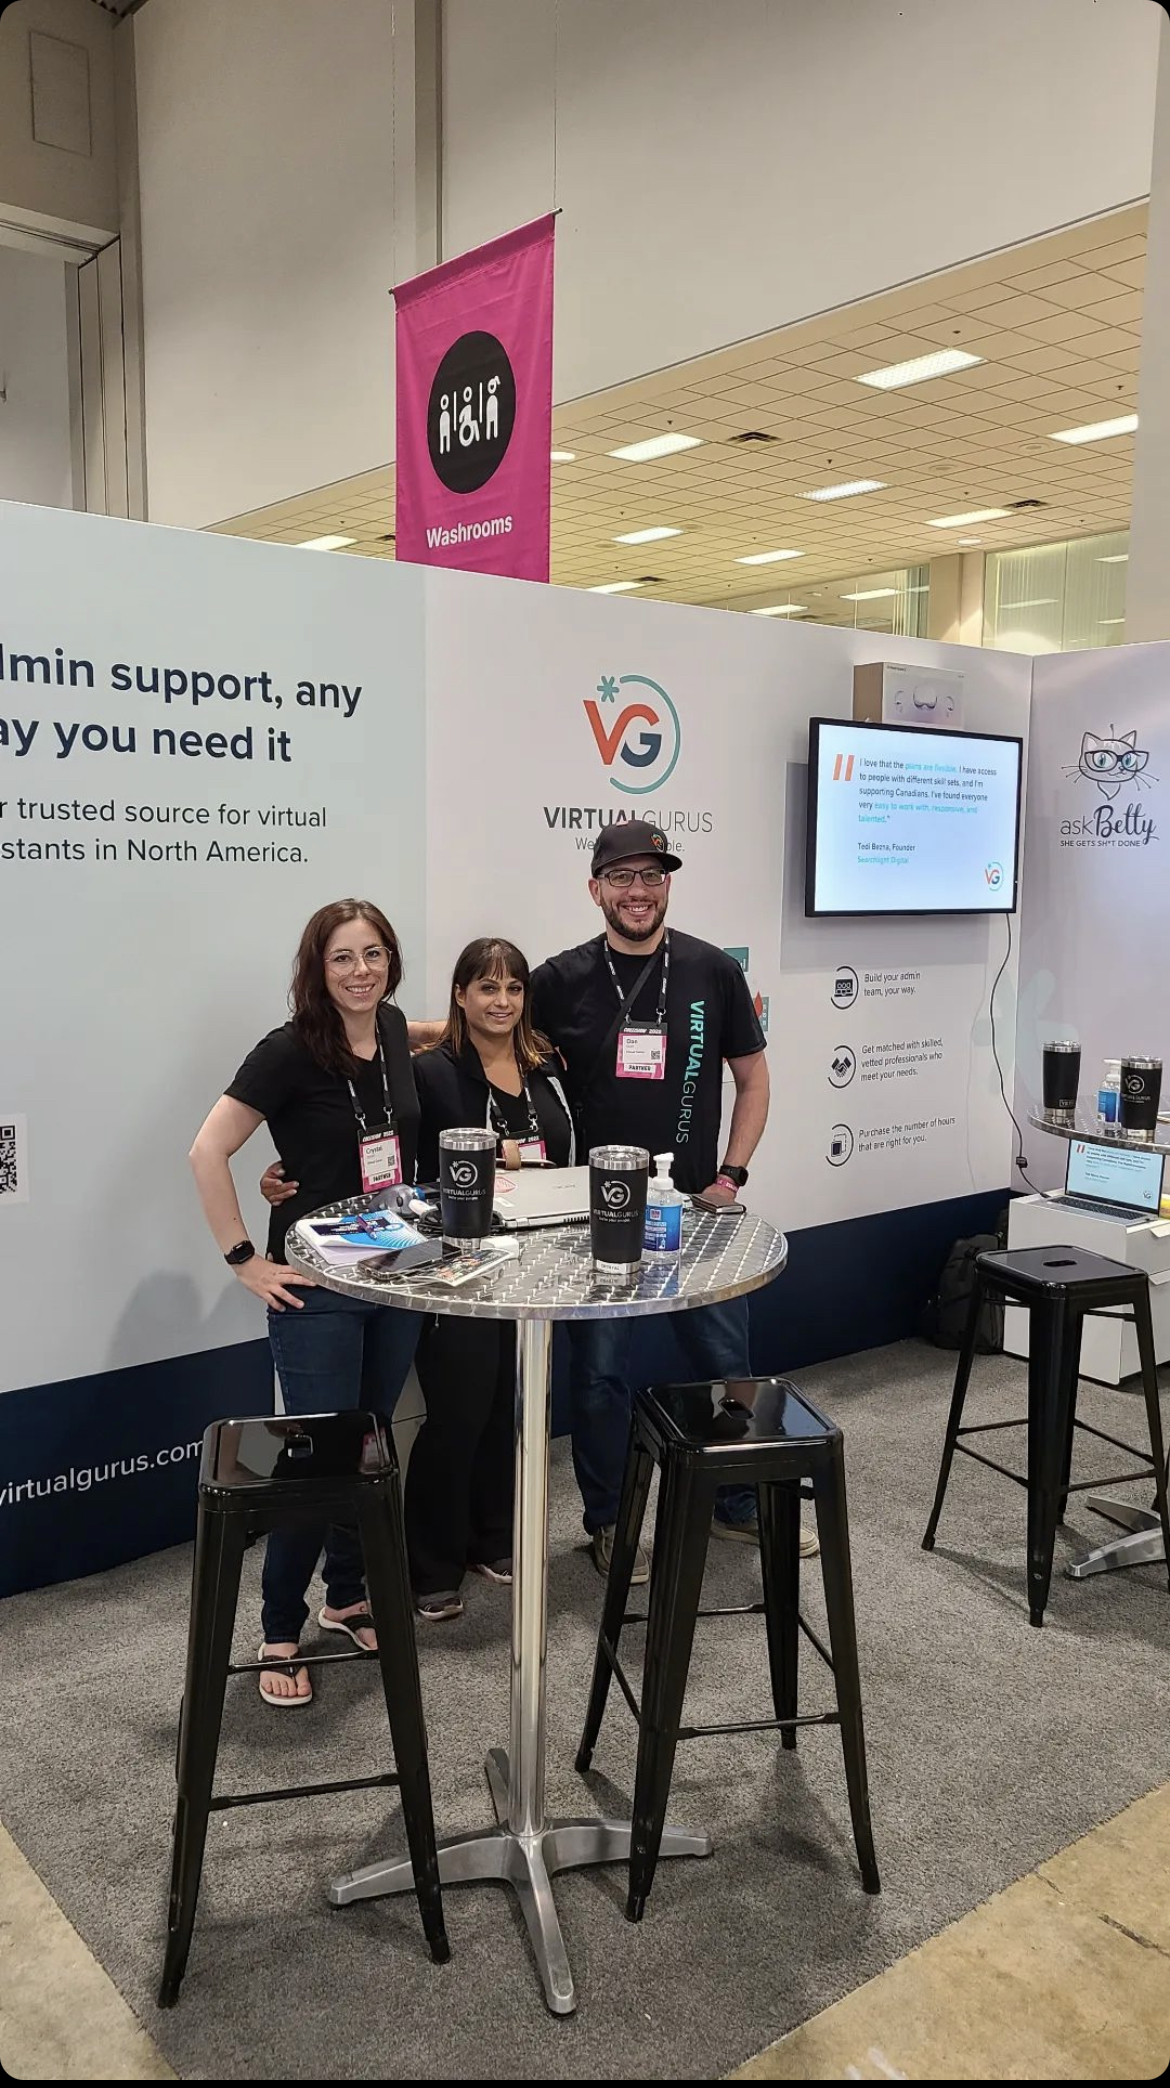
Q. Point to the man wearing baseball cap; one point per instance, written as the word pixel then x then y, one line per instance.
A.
pixel 645 1018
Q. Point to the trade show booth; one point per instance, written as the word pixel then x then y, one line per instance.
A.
pixel 203 738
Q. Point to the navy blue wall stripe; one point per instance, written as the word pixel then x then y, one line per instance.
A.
pixel 95 1471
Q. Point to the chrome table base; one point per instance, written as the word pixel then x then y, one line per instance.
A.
pixel 527 1862
pixel 1141 1547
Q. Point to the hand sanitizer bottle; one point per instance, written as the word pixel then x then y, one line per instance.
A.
pixel 664 1209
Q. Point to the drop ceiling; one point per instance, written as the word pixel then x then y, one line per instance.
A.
pixel 1057 324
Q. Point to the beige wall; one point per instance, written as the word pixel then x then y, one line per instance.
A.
pixel 55 185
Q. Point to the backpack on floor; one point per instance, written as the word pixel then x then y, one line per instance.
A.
pixel 944 1316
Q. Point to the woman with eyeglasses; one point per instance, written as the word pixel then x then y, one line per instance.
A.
pixel 489 1067
pixel 336 1088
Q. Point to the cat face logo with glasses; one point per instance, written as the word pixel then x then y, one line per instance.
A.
pixel 1112 761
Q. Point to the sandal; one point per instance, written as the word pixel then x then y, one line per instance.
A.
pixel 284 1665
pixel 358 1620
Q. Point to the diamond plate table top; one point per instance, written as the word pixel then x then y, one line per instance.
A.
pixel 723 1256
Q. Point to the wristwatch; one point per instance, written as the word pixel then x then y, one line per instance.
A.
pixel 243 1251
pixel 737 1176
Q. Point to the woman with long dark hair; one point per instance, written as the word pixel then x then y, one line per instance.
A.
pixel 336 1089
pixel 489 1067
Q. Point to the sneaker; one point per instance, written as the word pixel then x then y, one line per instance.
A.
pixel 498 1570
pixel 601 1551
pixel 435 1609
pixel 749 1533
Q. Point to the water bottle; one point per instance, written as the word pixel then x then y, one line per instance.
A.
pixel 1109 1092
pixel 664 1209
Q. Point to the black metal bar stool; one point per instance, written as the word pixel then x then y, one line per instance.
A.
pixel 757 1432
pixel 254 1476
pixel 1057 1286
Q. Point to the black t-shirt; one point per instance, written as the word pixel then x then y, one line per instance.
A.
pixel 452 1090
pixel 311 1116
pixel 709 1018
pixel 512 1112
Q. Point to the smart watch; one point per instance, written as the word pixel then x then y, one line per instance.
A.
pixel 243 1251
pixel 737 1176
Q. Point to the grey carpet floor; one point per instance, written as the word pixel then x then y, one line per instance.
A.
pixel 991 1745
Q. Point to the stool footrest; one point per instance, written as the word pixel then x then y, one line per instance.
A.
pixel 319 1790
pixel 762 1725
pixel 260 1667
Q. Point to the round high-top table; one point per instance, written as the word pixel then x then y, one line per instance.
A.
pixel 1142 1545
pixel 723 1257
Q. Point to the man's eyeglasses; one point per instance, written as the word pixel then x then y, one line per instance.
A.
pixel 376 958
pixel 621 880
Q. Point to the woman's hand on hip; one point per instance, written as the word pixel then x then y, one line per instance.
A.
pixel 272 1282
pixel 273 1187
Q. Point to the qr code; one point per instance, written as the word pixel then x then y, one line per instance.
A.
pixel 9 1179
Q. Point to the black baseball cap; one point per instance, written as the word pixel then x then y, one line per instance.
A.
pixel 632 837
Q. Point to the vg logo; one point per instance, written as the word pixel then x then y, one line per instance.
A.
pixel 616 1194
pixel 464 1174
pixel 471 412
pixel 639 740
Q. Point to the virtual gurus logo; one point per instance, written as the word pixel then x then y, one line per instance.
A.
pixel 637 731
pixel 1115 767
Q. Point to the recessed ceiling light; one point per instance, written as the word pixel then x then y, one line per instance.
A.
pixel 656 446
pixel 326 543
pixel 969 540
pixel 1097 431
pixel 940 364
pixel 768 557
pixel 1114 558
pixel 646 536
pixel 975 515
pixel 563 456
pixel 782 609
pixel 614 587
pixel 870 594
pixel 843 492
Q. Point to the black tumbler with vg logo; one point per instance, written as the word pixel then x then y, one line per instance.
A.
pixel 1062 1079
pixel 467 1184
pixel 618 1176
pixel 1141 1092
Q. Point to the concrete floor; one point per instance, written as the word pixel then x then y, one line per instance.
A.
pixel 1063 1977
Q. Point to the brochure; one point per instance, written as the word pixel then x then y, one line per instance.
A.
pixel 479 1261
pixel 365 1235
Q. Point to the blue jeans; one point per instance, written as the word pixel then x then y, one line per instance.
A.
pixel 714 1340
pixel 335 1353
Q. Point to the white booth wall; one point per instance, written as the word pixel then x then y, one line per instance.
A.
pixel 431 750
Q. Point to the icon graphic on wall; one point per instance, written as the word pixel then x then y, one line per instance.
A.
pixel 842 1066
pixel 1112 760
pixel 471 413
pixel 645 737
pixel 845 987
pixel 840 1145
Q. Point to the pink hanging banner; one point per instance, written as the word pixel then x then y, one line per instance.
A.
pixel 474 408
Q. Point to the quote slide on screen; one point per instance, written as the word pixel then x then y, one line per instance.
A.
pixel 910 822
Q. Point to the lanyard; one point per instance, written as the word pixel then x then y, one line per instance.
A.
pixel 660 1018
pixel 358 1111
pixel 497 1120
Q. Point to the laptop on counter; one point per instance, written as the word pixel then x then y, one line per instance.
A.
pixel 1112 1181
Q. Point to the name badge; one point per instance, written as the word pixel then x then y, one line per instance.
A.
pixel 380 1154
pixel 532 1153
pixel 641 1052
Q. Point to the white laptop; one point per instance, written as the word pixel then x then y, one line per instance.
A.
pixel 531 1196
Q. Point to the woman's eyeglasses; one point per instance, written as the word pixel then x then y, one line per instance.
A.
pixel 376 958
pixel 621 880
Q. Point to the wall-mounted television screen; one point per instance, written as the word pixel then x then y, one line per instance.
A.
pixel 911 820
